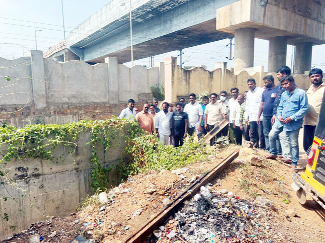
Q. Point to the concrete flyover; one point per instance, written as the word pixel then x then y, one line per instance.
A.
pixel 160 26
pixel 296 22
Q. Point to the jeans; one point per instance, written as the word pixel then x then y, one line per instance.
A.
pixel 232 134
pixel 178 140
pixel 285 144
pixel 246 132
pixel 267 126
pixel 213 140
pixel 237 133
pixel 309 133
pixel 257 135
pixel 202 133
pixel 293 141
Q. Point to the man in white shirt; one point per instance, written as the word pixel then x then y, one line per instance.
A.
pixel 235 116
pixel 232 106
pixel 214 113
pixel 129 112
pixel 253 101
pixel 195 113
pixel 163 124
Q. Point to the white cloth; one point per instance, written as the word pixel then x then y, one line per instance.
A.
pixel 128 114
pixel 232 106
pixel 163 122
pixel 253 101
pixel 236 113
pixel 164 139
pixel 194 112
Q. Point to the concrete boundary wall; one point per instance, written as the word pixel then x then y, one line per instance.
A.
pixel 180 82
pixel 39 86
pixel 40 188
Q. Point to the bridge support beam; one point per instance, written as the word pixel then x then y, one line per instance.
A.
pixel 303 57
pixel 244 48
pixel 277 52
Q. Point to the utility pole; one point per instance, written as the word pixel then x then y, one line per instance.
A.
pixel 63 20
pixel 230 50
pixel 293 57
pixel 151 61
pixel 131 35
pixel 180 58
pixel 36 39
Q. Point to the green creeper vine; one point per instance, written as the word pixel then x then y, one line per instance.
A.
pixel 41 141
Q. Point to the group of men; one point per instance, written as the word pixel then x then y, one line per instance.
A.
pixel 270 117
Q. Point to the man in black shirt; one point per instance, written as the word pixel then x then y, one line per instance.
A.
pixel 179 125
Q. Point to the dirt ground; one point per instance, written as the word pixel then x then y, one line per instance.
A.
pixel 141 197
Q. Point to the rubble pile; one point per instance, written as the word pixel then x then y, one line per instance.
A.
pixel 218 217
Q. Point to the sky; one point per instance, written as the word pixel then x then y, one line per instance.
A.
pixel 21 19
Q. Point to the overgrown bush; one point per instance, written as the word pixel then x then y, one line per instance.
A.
pixel 147 153
pixel 158 91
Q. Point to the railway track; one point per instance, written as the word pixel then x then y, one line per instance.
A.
pixel 163 215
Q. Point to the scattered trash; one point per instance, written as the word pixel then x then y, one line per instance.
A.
pixel 157 233
pixel 86 224
pixel 171 234
pixel 126 228
pixel 34 239
pixel 102 208
pixel 137 212
pixel 53 234
pixel 103 199
pixel 76 221
pixel 179 171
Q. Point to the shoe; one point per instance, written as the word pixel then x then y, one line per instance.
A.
pixel 286 160
pixel 270 156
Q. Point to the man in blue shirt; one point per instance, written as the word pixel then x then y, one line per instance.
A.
pixel 291 111
pixel 266 106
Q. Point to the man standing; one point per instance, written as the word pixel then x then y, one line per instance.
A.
pixel 205 100
pixel 236 117
pixel 291 111
pixel 128 112
pixel 315 96
pixel 152 111
pixel 267 105
pixel 253 101
pixel 282 140
pixel 162 124
pixel 195 113
pixel 182 101
pixel 224 102
pixel 244 127
pixel 155 103
pixel 145 119
pixel 179 125
pixel 232 106
pixel 215 112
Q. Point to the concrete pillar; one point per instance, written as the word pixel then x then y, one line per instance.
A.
pixel 277 52
pixel 303 57
pixel 38 79
pixel 170 85
pixel 113 82
pixel 244 48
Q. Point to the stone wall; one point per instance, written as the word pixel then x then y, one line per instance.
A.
pixel 40 189
pixel 43 89
pixel 180 82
